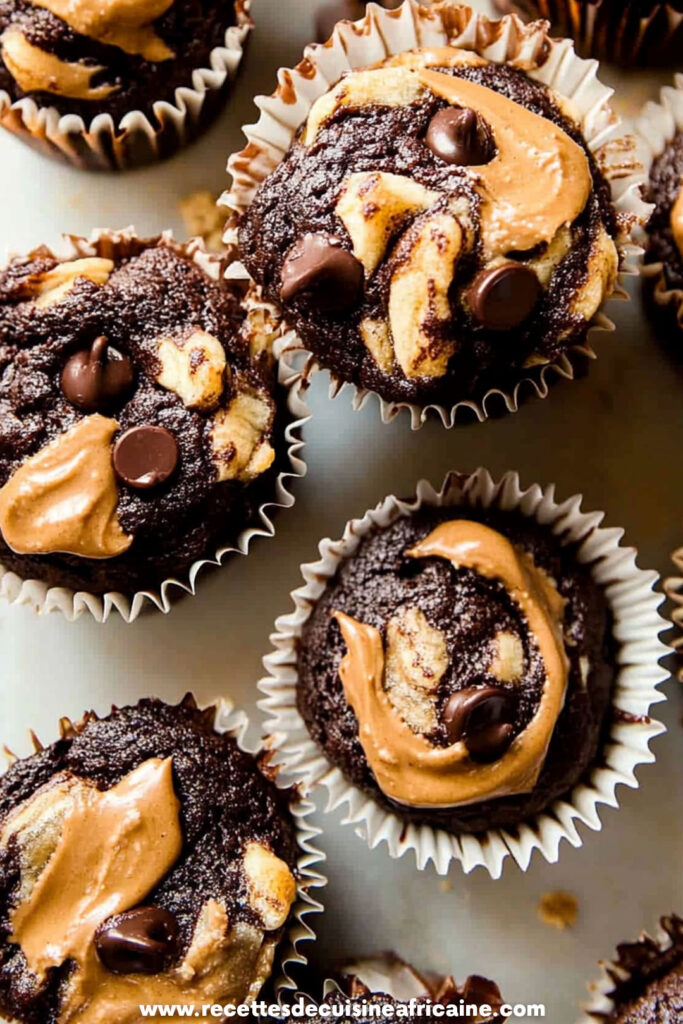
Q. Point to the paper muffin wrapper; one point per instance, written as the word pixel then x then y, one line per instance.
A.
pixel 631 39
pixel 617 973
pixel 298 930
pixel 383 33
pixel 673 588
pixel 138 138
pixel 637 625
pixel 71 603
pixel 656 128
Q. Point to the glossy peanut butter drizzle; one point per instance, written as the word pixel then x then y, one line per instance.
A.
pixel 127 24
pixel 406 766
pixel 36 70
pixel 677 220
pixel 538 181
pixel 64 498
pixel 115 846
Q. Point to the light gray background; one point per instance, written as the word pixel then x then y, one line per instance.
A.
pixel 613 436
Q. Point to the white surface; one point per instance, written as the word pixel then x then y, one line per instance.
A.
pixel 613 436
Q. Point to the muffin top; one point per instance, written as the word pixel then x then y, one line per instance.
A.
pixel 136 406
pixel 437 226
pixel 665 228
pixel 455 667
pixel 190 857
pixel 649 986
pixel 112 56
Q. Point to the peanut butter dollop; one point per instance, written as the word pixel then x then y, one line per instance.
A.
pixel 408 769
pixel 36 70
pixel 127 24
pixel 115 846
pixel 539 180
pixel 64 498
pixel 677 220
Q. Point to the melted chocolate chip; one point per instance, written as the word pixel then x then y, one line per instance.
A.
pixel 458 136
pixel 145 457
pixel 503 298
pixel 482 717
pixel 98 378
pixel 140 941
pixel 320 267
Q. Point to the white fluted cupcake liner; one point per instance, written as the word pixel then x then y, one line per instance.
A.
pixel 298 929
pixel 616 973
pixel 673 587
pixel 656 128
pixel 72 604
pixel 637 625
pixel 137 139
pixel 529 47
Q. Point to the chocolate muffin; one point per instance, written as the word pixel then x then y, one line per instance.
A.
pixel 648 979
pixel 144 858
pixel 627 32
pixel 137 415
pixel 112 57
pixel 437 229
pixel 665 228
pixel 458 668
pixel 389 975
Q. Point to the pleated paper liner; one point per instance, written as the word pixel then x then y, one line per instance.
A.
pixel 637 625
pixel 656 127
pixel 383 33
pixel 298 930
pixel 612 30
pixel 72 604
pixel 635 964
pixel 137 139
pixel 673 588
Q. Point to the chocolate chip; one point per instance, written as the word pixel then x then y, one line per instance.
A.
pixel 97 378
pixel 503 298
pixel 482 717
pixel 145 456
pixel 320 266
pixel 458 136
pixel 140 941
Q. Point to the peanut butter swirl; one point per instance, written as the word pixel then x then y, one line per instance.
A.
pixel 677 220
pixel 36 70
pixel 408 769
pixel 128 24
pixel 64 498
pixel 517 215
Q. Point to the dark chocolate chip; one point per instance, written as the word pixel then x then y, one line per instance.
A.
pixel 97 378
pixel 145 456
pixel 482 717
pixel 320 266
pixel 458 136
pixel 503 298
pixel 140 941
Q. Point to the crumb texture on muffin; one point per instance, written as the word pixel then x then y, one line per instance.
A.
pixel 458 668
pixel 137 416
pixel 437 226
pixel 190 856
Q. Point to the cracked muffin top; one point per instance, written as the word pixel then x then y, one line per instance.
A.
pixel 438 227
pixel 109 56
pixel 458 668
pixel 189 853
pixel 137 411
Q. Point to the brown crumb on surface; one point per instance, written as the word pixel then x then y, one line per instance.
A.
pixel 445 885
pixel 558 909
pixel 203 218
